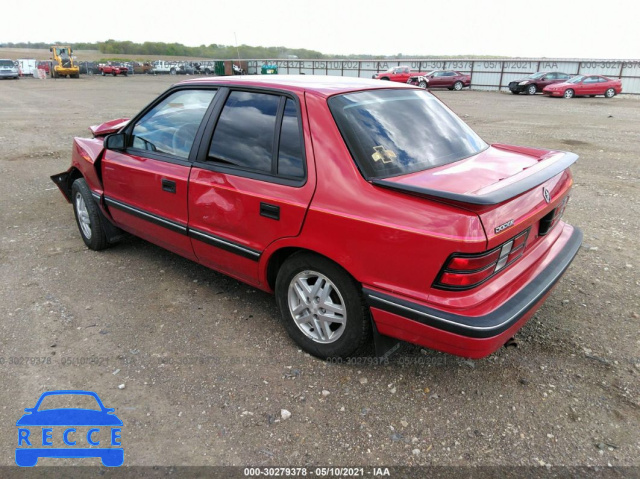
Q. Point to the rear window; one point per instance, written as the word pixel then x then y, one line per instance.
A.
pixel 395 132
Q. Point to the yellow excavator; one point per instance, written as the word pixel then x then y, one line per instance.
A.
pixel 62 64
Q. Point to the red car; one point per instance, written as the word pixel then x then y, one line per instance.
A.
pixel 399 74
pixel 449 79
pixel 113 69
pixel 585 85
pixel 369 209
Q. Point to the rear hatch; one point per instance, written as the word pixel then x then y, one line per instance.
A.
pixel 512 189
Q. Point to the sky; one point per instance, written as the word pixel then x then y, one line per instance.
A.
pixel 597 29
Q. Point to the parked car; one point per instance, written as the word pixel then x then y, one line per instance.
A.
pixel 536 82
pixel 399 74
pixel 185 69
pixel 8 69
pixel 585 85
pixel 44 65
pixel 449 79
pixel 357 204
pixel 140 68
pixel 113 69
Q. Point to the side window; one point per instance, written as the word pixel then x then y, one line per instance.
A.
pixel 259 132
pixel 245 131
pixel 602 80
pixel 551 76
pixel 290 159
pixel 170 127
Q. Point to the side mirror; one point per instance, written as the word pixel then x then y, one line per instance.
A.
pixel 115 141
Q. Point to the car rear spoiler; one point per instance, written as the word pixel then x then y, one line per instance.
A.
pixel 554 167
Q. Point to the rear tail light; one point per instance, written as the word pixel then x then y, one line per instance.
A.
pixel 465 271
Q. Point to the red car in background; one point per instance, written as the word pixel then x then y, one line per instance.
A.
pixel 369 210
pixel 113 69
pixel 399 74
pixel 449 79
pixel 585 85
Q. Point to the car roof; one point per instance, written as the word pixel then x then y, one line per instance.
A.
pixel 321 85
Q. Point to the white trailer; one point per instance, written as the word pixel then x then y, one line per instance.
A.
pixel 28 67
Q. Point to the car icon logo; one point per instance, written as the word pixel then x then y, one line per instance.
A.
pixel 67 432
pixel 546 195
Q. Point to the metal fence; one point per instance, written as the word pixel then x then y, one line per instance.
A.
pixel 485 74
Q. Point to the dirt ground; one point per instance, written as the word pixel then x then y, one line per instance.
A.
pixel 198 367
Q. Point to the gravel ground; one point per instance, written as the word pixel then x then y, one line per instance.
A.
pixel 199 369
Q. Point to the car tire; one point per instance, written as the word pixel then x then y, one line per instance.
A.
pixel 515 92
pixel 568 93
pixel 87 216
pixel 532 90
pixel 423 85
pixel 102 73
pixel 303 273
pixel 610 93
pixel 385 79
pixel 457 86
pixel 173 71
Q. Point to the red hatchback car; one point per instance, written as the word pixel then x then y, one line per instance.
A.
pixel 369 209
pixel 589 85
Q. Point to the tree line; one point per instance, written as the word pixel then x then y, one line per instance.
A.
pixel 115 47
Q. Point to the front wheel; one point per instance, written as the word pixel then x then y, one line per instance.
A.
pixel 322 307
pixel 610 93
pixel 457 86
pixel 531 90
pixel 173 71
pixel 103 73
pixel 515 92
pixel 423 85
pixel 568 93
pixel 87 216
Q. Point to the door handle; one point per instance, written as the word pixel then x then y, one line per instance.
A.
pixel 168 185
pixel 270 211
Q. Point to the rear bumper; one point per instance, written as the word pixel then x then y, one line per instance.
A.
pixel 472 336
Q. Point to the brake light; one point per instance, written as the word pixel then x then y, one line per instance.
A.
pixel 465 271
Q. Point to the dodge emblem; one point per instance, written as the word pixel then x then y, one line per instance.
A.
pixel 546 195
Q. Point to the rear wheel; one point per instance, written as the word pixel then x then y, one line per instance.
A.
pixel 457 86
pixel 568 93
pixel 515 92
pixel 610 93
pixel 531 90
pixel 173 71
pixel 87 217
pixel 322 307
